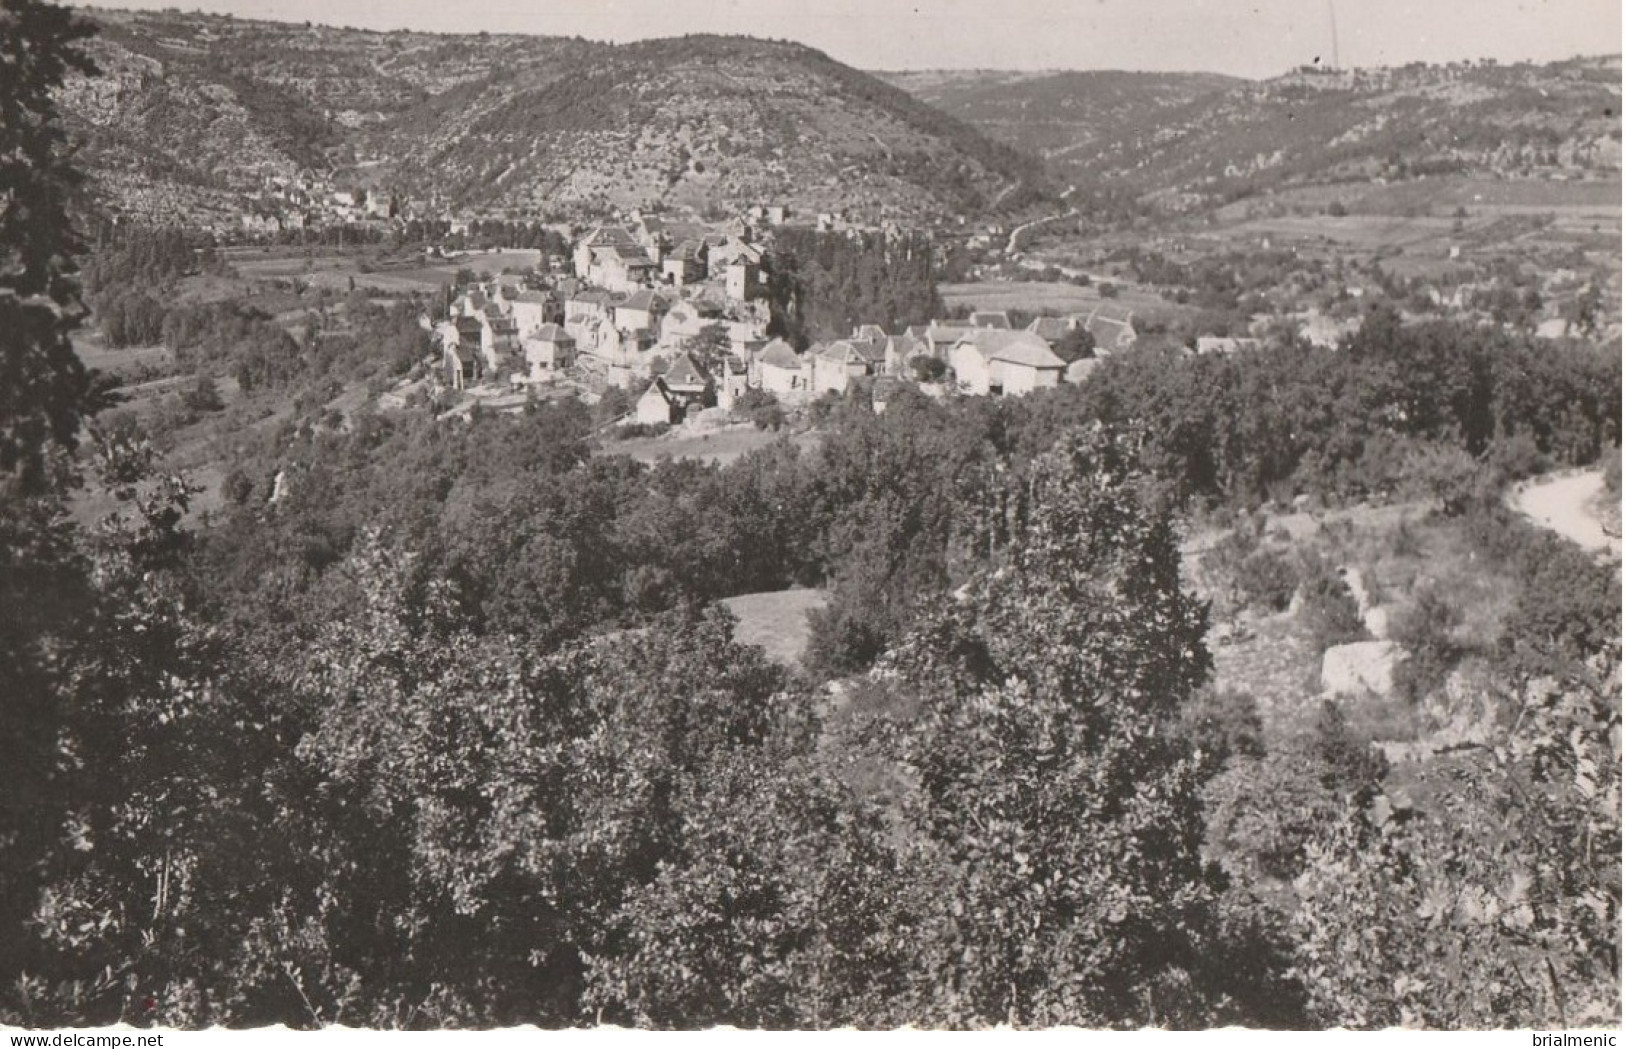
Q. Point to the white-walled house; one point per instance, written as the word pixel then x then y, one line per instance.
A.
pixel 549 350
pixel 941 337
pixel 685 264
pixel 687 380
pixel 784 373
pixel 640 312
pixel 836 366
pixel 1022 367
pixel 732 379
pixel 996 361
pixel 620 269
pixel 601 237
pixel 530 309
pixel 743 280
pixel 658 406
pixel 900 350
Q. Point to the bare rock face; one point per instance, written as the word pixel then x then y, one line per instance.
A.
pixel 1361 667
pixel 1376 622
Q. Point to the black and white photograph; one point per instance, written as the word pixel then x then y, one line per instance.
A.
pixel 810 515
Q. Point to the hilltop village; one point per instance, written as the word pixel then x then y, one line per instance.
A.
pixel 678 313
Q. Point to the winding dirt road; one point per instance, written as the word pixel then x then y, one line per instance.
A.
pixel 1563 503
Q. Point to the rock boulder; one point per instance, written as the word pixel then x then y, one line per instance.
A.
pixel 1364 666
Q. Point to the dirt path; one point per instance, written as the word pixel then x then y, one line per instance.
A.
pixel 1563 503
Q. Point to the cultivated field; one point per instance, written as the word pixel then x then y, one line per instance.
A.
pixel 1038 297
pixel 333 268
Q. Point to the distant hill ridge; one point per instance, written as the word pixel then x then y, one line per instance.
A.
pixel 191 111
pixel 1198 139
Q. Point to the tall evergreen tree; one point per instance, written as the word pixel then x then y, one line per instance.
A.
pixel 45 391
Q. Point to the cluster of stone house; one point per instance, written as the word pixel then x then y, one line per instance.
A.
pixel 982 356
pixel 641 295
pixel 680 306
pixel 503 330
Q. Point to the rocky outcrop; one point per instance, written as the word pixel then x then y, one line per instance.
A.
pixel 1361 667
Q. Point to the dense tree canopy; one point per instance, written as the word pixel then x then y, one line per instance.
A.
pixel 44 389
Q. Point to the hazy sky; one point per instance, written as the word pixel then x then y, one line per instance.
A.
pixel 1243 37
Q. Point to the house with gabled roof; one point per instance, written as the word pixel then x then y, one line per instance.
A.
pixel 620 269
pixel 942 337
pixel 640 311
pixel 461 352
pixel 990 319
pixel 653 236
pixel 1053 329
pixel 499 336
pixel 658 406
pixel 686 379
pixel 1112 334
pixel 549 350
pixel 900 350
pixel 837 365
pixel 685 264
pixel 590 305
pixel 531 310
pixel 1001 362
pixel 731 249
pixel 601 237
pixel 783 372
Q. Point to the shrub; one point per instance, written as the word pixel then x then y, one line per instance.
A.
pixel 1263 812
pixel 1267 579
pixel 1223 724
pixel 1328 608
pixel 768 417
pixel 237 487
pixel 1426 629
pixel 1515 458
pixel 204 396
pixel 761 408
pixel 632 431
pixel 928 369
pixel 1349 765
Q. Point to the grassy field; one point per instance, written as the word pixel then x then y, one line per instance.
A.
pixel 1447 194
pixel 332 268
pixel 130 362
pixel 719 446
pixel 1438 197
pixel 777 621
pixel 1037 296
pixel 1357 232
